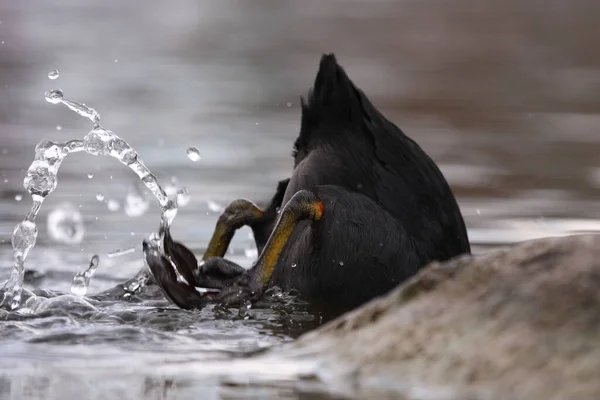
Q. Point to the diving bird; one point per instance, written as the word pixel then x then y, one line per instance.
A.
pixel 363 210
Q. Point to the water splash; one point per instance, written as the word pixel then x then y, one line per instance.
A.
pixel 81 281
pixel 175 191
pixel 41 180
pixel 141 278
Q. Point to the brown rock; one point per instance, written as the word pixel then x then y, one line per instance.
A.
pixel 518 323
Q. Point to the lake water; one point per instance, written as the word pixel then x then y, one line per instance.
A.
pixel 504 96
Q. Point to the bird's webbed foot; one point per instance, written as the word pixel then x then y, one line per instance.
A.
pixel 174 271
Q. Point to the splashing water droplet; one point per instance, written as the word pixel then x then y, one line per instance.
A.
pixel 214 206
pixel 19 197
pixel 137 282
pixel 41 179
pixel 58 127
pixel 118 253
pixel 172 187
pixel 65 225
pixel 82 110
pixel 100 197
pixel 135 202
pixel 183 197
pixel 113 205
pixel 53 74
pixel 81 281
pixel 97 142
pixel 193 154
pixel 90 176
pixel 251 252
pixel 54 96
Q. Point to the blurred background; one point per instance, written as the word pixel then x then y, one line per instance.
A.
pixel 503 95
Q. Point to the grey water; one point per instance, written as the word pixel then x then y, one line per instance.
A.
pixel 208 93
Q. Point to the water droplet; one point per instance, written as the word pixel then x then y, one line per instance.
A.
pixel 23 239
pixel 53 74
pixel 341 263
pixel 214 206
pixel 135 202
pixel 193 154
pixel 251 252
pixel 19 197
pixel 288 104
pixel 65 225
pixel 172 187
pixel 120 252
pixel 90 176
pixel 122 151
pixel 83 110
pixel 41 178
pixel 58 127
pixel 24 236
pixel 100 197
pixel 113 205
pixel 54 96
pixel 183 197
pixel 478 211
pixel 81 280
pixel 294 265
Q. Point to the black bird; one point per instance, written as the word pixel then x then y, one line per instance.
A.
pixel 364 209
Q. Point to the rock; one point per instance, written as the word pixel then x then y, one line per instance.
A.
pixel 517 323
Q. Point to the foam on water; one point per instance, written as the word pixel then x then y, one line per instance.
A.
pixel 42 179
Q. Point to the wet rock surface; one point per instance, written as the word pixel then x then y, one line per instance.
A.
pixel 516 323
